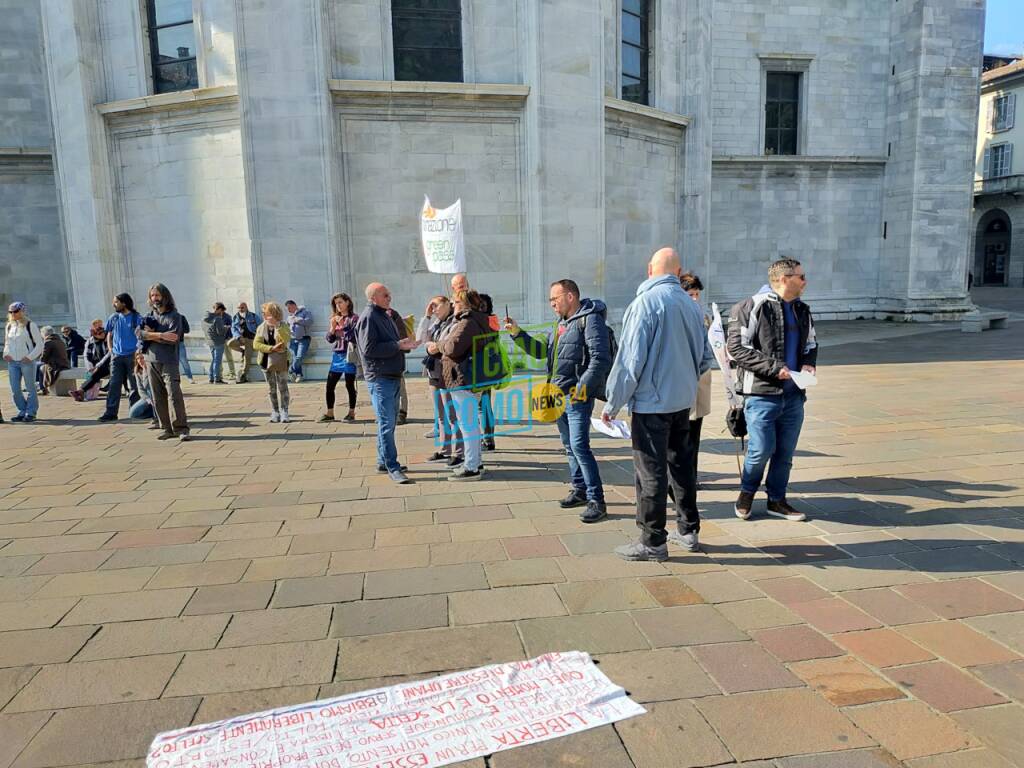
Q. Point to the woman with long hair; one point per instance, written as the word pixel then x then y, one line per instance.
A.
pixel 23 344
pixel 446 431
pixel 341 332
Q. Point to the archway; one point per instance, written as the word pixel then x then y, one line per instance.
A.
pixel 992 252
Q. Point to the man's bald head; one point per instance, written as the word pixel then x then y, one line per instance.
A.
pixel 665 261
pixel 459 283
pixel 378 294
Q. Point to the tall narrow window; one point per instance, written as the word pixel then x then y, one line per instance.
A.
pixel 781 113
pixel 172 45
pixel 427 37
pixel 635 50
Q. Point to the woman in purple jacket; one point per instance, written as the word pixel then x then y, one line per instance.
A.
pixel 342 334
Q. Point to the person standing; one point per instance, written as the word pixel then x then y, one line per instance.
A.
pixel 403 393
pixel 300 321
pixel 120 328
pixel 160 333
pixel 53 360
pixel 183 364
pixel 23 345
pixel 217 330
pixel 74 342
pixel 664 351
pixel 271 342
pixel 383 355
pixel 578 355
pixel 770 335
pixel 463 349
pixel 341 333
pixel 446 427
pixel 702 405
pixel 243 331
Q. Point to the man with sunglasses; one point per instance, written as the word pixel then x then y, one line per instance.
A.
pixel 770 335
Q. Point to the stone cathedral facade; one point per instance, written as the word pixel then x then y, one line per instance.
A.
pixel 257 149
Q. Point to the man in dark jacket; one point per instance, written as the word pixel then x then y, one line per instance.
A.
pixel 161 332
pixel 770 336
pixel 383 366
pixel 217 330
pixel 578 354
pixel 75 343
pixel 243 330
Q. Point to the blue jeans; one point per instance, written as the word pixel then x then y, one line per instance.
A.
pixel 122 370
pixel 299 348
pixel 773 426
pixel 384 397
pixel 183 361
pixel 216 361
pixel 574 427
pixel 17 371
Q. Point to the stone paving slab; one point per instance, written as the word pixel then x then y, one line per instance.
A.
pixel 907 577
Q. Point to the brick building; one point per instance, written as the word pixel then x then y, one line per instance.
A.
pixel 238 150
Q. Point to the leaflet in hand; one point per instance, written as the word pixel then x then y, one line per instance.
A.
pixel 617 428
pixel 803 379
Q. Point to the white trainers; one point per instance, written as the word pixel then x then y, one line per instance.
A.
pixel 275 417
pixel 284 415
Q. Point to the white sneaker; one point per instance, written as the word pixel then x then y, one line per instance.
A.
pixel 298 379
pixel 284 416
pixel 275 417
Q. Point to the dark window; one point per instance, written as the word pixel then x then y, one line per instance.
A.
pixel 427 37
pixel 781 113
pixel 635 50
pixel 172 45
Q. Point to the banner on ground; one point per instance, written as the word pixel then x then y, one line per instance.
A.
pixel 441 234
pixel 422 724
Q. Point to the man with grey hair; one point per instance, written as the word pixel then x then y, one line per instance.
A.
pixel 383 365
pixel 662 354
pixel 770 335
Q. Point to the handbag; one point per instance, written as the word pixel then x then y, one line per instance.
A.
pixel 736 422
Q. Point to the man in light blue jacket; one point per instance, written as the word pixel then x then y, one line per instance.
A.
pixel 663 351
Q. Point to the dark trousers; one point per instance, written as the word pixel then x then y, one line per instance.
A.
pixel 165 381
pixel 695 425
pixel 350 384
pixel 122 372
pixel 661 456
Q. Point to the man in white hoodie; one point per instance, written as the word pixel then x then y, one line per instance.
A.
pixel 23 344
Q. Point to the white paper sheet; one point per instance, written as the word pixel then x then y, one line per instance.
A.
pixel 803 380
pixel 423 724
pixel 618 428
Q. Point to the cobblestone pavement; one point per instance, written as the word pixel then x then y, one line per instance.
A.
pixel 146 585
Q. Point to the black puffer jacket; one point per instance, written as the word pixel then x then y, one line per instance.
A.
pixel 757 342
pixel 582 357
pixel 432 363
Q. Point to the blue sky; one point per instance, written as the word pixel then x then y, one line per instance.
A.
pixel 1004 27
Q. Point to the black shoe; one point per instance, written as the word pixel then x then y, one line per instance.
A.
pixel 454 461
pixel 574 499
pixel 166 436
pixel 437 456
pixel 596 510
pixel 403 419
pixel 489 444
pixel 107 417
pixel 19 417
pixel 383 469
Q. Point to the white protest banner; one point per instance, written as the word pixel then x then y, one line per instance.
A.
pixel 422 724
pixel 441 234
pixel 717 340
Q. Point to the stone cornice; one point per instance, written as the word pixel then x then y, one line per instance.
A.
pixel 784 160
pixel 26 160
pixel 198 97
pixel 659 115
pixel 398 88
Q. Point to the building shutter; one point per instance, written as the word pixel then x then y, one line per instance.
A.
pixel 1008 160
pixel 991 115
pixel 1011 109
pixel 986 166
